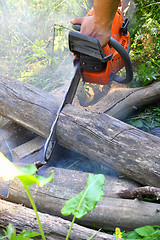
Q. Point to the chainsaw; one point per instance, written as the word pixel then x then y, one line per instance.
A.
pixel 94 64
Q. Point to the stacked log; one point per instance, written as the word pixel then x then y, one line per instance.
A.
pixel 131 152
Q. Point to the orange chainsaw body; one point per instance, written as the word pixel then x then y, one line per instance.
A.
pixel 116 63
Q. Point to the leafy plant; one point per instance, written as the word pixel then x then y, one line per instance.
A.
pixel 78 206
pixel 145 42
pixel 30 48
pixel 27 177
pixel 10 234
pixel 85 201
pixel 145 233
pixel 147 119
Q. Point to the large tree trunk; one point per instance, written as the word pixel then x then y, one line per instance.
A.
pixel 131 152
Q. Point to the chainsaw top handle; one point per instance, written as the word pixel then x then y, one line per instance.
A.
pixel 80 43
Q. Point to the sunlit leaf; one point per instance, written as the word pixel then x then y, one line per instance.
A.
pixel 86 201
pixel 8 171
pixel 145 231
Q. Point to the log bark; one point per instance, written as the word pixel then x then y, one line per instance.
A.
pixel 38 105
pixel 25 104
pixel 121 103
pixel 54 227
pixel 141 192
pixel 131 152
pixel 109 212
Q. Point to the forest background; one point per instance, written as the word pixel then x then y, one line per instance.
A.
pixel 34 45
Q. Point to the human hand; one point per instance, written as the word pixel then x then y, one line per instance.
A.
pixel 90 27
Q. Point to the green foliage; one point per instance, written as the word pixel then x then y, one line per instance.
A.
pixel 27 177
pixel 78 206
pixel 34 40
pixel 145 46
pixel 147 119
pixel 85 201
pixel 145 233
pixel 10 234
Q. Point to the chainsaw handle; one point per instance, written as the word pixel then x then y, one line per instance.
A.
pixel 127 62
pixel 124 55
pixel 76 27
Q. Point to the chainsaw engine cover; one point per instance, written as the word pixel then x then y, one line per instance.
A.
pixel 101 75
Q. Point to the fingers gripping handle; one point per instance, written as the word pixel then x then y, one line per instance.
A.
pixel 124 55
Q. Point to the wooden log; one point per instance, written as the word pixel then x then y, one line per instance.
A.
pixel 131 152
pixel 28 148
pixel 26 105
pixel 54 227
pixel 123 102
pixel 100 137
pixel 38 105
pixel 76 180
pixel 141 192
pixel 109 213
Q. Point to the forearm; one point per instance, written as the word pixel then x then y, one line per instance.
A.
pixel 99 25
pixel 104 12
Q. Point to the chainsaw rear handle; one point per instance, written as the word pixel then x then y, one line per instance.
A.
pixel 123 53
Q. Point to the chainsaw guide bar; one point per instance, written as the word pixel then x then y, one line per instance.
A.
pixel 95 65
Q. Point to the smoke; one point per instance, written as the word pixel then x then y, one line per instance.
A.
pixel 34 40
pixel 34 48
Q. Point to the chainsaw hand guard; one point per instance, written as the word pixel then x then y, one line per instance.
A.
pixel 127 63
pixel 92 57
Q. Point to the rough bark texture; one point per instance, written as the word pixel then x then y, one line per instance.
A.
pixel 130 151
pixel 31 107
pixel 140 192
pixel 54 227
pixel 123 102
pixel 25 105
pixel 109 212
pixel 100 137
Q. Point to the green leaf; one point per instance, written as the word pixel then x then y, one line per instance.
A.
pixel 8 171
pixel 30 169
pixel 139 124
pixel 94 235
pixel 10 232
pixel 145 231
pixel 27 234
pixel 85 201
pixel 27 177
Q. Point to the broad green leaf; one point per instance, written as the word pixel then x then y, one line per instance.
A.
pixel 145 231
pixel 131 235
pixel 8 171
pixel 86 201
